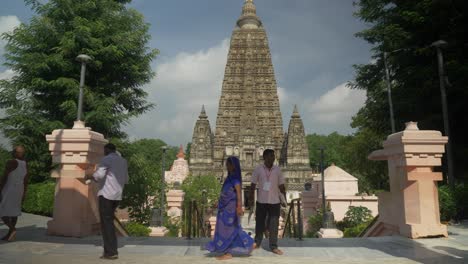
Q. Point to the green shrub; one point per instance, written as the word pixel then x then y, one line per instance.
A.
pixel 461 194
pixel 137 229
pixel 173 226
pixel 447 203
pixel 342 225
pixel 356 230
pixel 357 215
pixel 40 199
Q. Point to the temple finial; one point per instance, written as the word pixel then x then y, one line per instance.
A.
pixel 181 153
pixel 203 113
pixel 249 19
pixel 295 112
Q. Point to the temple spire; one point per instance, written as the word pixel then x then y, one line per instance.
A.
pixel 249 18
pixel 203 113
pixel 295 113
pixel 181 154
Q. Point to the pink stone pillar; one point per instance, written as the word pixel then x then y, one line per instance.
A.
pixel 411 208
pixel 175 199
pixel 310 204
pixel 75 207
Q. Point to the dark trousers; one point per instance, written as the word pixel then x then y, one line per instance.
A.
pixel 272 211
pixel 106 212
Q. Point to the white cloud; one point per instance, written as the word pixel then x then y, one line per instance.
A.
pixel 7 74
pixel 183 84
pixel 338 104
pixel 330 112
pixel 7 24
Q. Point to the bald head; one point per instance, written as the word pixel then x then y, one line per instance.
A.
pixel 18 152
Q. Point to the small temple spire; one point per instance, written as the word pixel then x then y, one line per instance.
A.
pixel 181 154
pixel 203 113
pixel 295 113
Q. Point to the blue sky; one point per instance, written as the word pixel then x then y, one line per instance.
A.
pixel 312 44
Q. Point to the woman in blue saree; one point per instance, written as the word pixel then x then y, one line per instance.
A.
pixel 229 237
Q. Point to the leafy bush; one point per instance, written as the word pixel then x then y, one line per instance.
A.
pixel 461 193
pixel 40 199
pixel 137 229
pixel 357 215
pixel 173 225
pixel 356 219
pixel 447 203
pixel 356 230
pixel 342 225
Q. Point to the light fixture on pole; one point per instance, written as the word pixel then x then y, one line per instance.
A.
pixel 163 182
pixel 83 58
pixel 438 45
pixel 389 91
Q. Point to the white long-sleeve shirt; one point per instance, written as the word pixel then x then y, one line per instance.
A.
pixel 112 175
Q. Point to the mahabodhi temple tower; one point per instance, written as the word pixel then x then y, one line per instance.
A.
pixel 249 117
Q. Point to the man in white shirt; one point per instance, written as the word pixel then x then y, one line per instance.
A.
pixel 111 175
pixel 270 183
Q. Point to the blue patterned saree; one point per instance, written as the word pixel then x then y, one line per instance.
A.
pixel 229 236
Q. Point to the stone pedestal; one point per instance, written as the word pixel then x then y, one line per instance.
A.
pixel 310 203
pixel 75 207
pixel 213 225
pixel 411 208
pixel 158 231
pixel 175 199
pixel 329 233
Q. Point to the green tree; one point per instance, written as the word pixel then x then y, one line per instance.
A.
pixel 372 175
pixel 193 187
pixel 143 191
pixel 42 96
pixel 410 27
pixel 334 152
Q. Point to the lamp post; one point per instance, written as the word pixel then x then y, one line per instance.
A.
pixel 324 209
pixel 389 91
pixel 163 182
pixel 438 45
pixel 83 58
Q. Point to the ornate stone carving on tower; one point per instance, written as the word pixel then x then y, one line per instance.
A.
pixel 179 170
pixel 296 158
pixel 249 117
pixel 201 150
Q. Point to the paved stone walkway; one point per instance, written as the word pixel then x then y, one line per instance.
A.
pixel 33 246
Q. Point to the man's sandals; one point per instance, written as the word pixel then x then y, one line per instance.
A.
pixel 277 251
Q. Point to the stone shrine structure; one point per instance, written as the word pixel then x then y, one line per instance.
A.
pixel 249 117
pixel 179 170
pixel 411 208
pixel 341 192
pixel 75 205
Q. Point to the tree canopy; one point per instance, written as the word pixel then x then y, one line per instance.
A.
pixel 42 96
pixel 405 30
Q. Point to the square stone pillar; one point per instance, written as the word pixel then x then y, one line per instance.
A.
pixel 411 208
pixel 310 203
pixel 175 199
pixel 75 206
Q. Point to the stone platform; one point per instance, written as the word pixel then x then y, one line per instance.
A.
pixel 34 246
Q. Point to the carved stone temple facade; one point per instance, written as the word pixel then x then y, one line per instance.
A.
pixel 249 117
